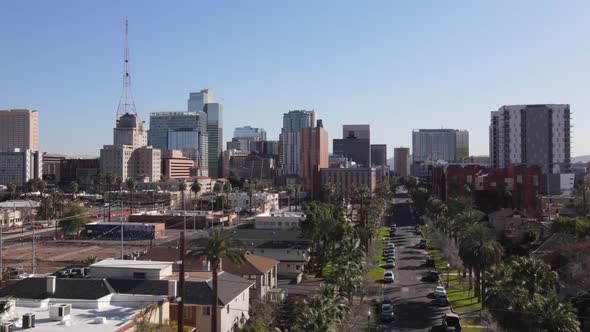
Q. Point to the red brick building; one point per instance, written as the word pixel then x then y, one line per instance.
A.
pixel 491 188
pixel 313 144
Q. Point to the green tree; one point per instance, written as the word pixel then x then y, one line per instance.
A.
pixel 572 226
pixel 436 210
pixel 329 194
pixel 74 187
pixel 11 191
pixel 321 312
pixel 217 189
pixel 182 188
pixel 290 193
pixel 552 315
pixel 479 252
pixel 74 219
pixel 218 244
pixel 420 198
pixel 196 189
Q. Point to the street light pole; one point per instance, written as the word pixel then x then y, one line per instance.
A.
pixel 369 320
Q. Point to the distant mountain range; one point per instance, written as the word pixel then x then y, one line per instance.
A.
pixel 581 159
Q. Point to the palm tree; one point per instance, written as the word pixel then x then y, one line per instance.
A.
pixel 552 315
pixel 217 188
pixel 227 188
pixel 322 311
pixel 131 184
pixel 290 193
pixel 182 188
pixel 463 220
pixel 109 180
pixel 119 183
pixel 196 189
pixel 436 210
pixel 533 275
pixel 218 244
pixel 74 187
pixel 479 251
pixel 41 186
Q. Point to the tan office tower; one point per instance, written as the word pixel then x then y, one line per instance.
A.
pixel 19 129
pixel 401 157
pixel 313 144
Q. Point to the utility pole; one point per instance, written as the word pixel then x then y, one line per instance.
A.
pixel 33 258
pixel 180 313
pixel 122 246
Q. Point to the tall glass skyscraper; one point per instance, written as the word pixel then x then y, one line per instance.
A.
pixel 215 131
pixel 293 122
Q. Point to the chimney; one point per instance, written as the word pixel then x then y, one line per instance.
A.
pixel 50 282
pixel 172 288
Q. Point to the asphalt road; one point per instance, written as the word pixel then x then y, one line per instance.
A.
pixel 414 306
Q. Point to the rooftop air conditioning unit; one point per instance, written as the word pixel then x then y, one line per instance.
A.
pixel 60 312
pixel 7 327
pixel 28 321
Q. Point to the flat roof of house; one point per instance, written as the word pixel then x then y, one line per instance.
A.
pixel 131 264
pixel 21 204
pixel 80 319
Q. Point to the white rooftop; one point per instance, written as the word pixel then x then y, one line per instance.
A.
pixel 287 214
pixel 131 264
pixel 19 204
pixel 80 319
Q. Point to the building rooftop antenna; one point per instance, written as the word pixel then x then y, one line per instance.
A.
pixel 126 102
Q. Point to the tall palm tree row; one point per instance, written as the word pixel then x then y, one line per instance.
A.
pixel 196 189
pixel 218 244
pixel 322 311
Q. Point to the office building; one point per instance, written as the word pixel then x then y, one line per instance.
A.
pixel 19 129
pixel 347 180
pixel 313 144
pixel 256 134
pixel 175 165
pixel 379 162
pixel 265 148
pixel 440 144
pixel 51 167
pixel 293 122
pixel 531 135
pixel 197 100
pixel 184 131
pixel 215 131
pixel 19 166
pixel 84 171
pixel 355 144
pixel 129 156
pixel 401 159
pixel 244 165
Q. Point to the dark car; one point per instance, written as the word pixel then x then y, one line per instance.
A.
pixel 76 273
pixel 64 273
pixel 431 276
pixel 430 262
pixel 451 322
pixel 387 315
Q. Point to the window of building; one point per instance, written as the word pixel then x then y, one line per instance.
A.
pixel 297 267
pixel 187 313
pixel 206 311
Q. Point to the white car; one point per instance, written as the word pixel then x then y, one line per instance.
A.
pixel 439 291
pixel 391 245
pixel 388 277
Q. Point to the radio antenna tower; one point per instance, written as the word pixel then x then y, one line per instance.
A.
pixel 126 103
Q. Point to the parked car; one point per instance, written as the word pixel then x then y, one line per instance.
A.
pixel 439 291
pixel 442 300
pixel 37 226
pixel 388 277
pixel 451 322
pixel 65 273
pixel 13 273
pixel 386 315
pixel 390 264
pixel 431 276
pixel 76 273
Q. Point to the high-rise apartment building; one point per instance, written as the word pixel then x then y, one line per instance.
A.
pixel 293 122
pixel 379 162
pixel 19 129
pixel 440 144
pixel 401 159
pixel 534 135
pixel 215 132
pixel 355 144
pixel 197 100
pixel 313 143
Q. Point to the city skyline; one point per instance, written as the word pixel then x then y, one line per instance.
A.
pixel 475 70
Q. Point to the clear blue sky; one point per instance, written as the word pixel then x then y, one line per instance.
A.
pixel 395 65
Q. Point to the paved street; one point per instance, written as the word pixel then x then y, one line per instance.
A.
pixel 414 307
